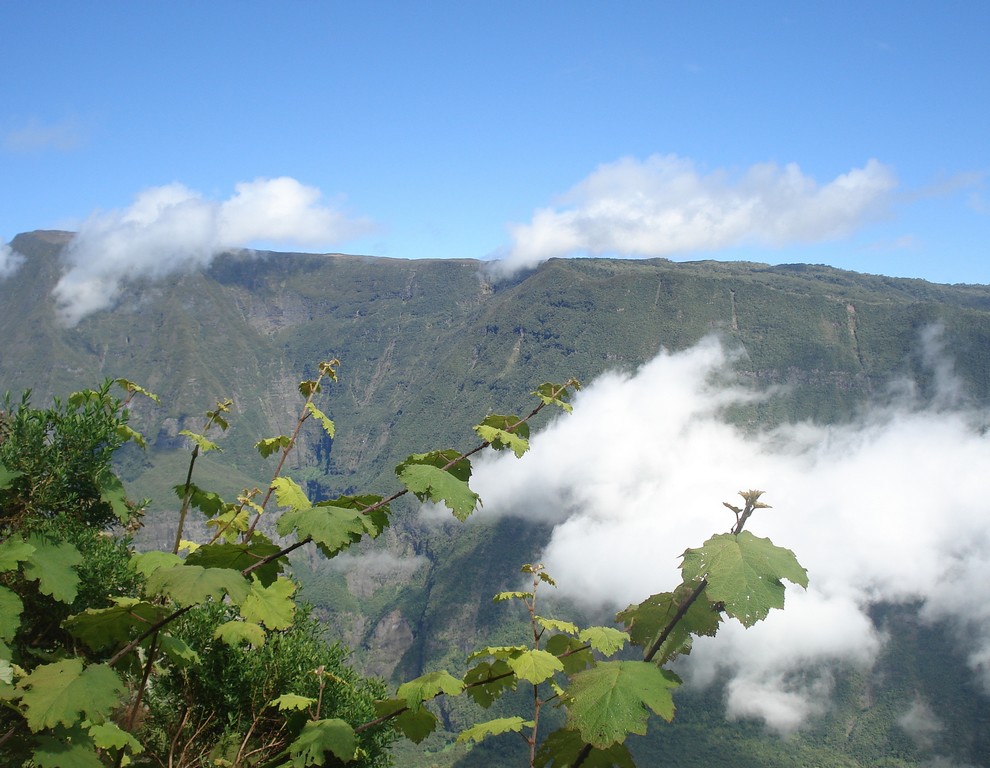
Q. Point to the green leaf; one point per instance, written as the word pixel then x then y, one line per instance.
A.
pixel 289 494
pixel 503 432
pixel 272 605
pixel 230 524
pixel 562 747
pixel 374 522
pixel 557 394
pixel 146 563
pixel 309 387
pixel 111 736
pixel 11 607
pixel 605 640
pixel 64 693
pixel 480 731
pixel 415 724
pixel 428 686
pixel 610 700
pixel 13 552
pixel 319 737
pixel 207 502
pixel 488 680
pixel 333 529
pixel 744 573
pixel 535 666
pixel 112 492
pixel 56 753
pixel 130 386
pixel 53 566
pixel 573 654
pixel 554 625
pixel 8 476
pixel 204 445
pixel 128 434
pixel 328 425
pixel 424 474
pixel 499 651
pixel 271 445
pixel 290 702
pixel 237 557
pixel 178 651
pixel 101 628
pixel 193 584
pixel 501 596
pixel 236 632
pixel 335 525
pixel 647 620
pixel 7 690
pixel 217 416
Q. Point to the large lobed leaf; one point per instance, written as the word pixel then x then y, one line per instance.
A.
pixel 270 605
pixel 605 640
pixel 236 632
pixel 535 666
pixel 289 494
pixel 101 628
pixel 428 476
pixel 56 753
pixel 486 681
pixel 237 557
pixel 744 572
pixel 428 686
pixel 319 737
pixel 415 724
pixel 610 700
pixel 649 618
pixel 562 747
pixel 14 551
pixel 11 607
pixel 503 432
pixel 53 566
pixel 193 584
pixel 333 529
pixel 481 731
pixel 64 693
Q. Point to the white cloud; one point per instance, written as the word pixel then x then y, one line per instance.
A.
pixel 889 508
pixel 10 260
pixel 172 228
pixel 663 206
pixel 921 724
pixel 35 135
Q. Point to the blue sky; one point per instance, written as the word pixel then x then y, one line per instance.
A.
pixel 851 134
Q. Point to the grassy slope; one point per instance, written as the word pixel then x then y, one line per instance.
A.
pixel 427 347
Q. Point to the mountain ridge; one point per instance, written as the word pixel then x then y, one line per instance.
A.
pixel 427 348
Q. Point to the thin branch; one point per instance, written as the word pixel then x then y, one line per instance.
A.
pixel 398 494
pixel 150 631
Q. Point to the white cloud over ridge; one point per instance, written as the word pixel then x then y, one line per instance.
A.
pixel 172 228
pixel 663 206
pixel 889 508
pixel 10 260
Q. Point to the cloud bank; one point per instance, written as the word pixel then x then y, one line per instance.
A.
pixel 10 260
pixel 889 508
pixel 172 228
pixel 663 206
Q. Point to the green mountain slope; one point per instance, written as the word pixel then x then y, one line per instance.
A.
pixel 427 348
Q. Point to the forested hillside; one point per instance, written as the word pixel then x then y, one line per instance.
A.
pixel 427 348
